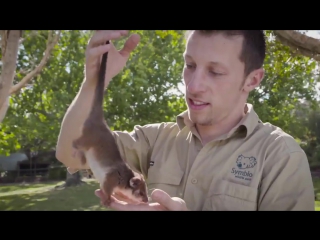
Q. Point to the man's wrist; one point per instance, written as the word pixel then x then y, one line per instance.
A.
pixel 88 84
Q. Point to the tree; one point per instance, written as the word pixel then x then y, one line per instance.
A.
pixel 35 114
pixel 289 80
pixel 10 40
pixel 146 91
pixel 10 43
pixel 299 43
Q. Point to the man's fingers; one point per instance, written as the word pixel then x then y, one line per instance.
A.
pixel 130 45
pixel 102 36
pixel 122 198
pixel 165 200
pixel 98 193
pixel 122 206
pixel 72 170
pixel 98 51
pixel 117 198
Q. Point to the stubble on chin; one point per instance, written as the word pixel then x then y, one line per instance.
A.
pixel 200 120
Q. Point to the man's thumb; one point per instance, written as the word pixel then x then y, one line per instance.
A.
pixel 165 200
pixel 130 45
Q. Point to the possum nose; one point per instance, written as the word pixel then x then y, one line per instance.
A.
pixel 239 165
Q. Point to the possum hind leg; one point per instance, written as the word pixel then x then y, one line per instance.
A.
pixel 79 155
pixel 78 147
pixel 110 182
pixel 80 143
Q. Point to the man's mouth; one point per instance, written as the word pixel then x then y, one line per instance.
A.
pixel 196 104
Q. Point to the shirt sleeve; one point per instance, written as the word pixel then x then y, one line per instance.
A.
pixel 287 184
pixel 136 146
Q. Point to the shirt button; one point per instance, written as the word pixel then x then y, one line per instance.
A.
pixel 194 181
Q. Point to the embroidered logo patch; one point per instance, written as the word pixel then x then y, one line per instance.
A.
pixel 243 167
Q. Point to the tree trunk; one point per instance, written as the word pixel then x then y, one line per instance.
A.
pixel 9 48
pixel 72 180
pixel 10 41
pixel 299 43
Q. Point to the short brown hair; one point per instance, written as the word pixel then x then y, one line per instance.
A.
pixel 253 48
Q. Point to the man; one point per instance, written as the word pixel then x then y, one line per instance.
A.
pixel 218 155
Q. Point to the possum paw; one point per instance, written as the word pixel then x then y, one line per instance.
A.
pixel 106 202
pixel 77 154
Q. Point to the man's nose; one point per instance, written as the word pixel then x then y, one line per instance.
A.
pixel 196 83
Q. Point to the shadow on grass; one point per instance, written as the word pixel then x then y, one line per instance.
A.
pixel 4 188
pixel 43 197
pixel 74 198
pixel 316 183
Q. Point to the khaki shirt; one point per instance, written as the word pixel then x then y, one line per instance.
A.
pixel 256 166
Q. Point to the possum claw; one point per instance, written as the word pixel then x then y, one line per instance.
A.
pixel 76 153
pixel 107 202
pixel 79 155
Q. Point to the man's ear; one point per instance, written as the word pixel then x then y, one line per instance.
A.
pixel 253 80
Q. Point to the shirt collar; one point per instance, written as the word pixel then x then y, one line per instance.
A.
pixel 248 123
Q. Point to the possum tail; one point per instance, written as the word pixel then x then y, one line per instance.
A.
pixel 97 106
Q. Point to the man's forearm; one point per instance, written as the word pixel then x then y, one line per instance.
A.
pixel 71 123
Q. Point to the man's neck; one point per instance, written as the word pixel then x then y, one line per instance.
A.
pixel 211 132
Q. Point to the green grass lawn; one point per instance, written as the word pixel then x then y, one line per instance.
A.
pixel 44 197
pixel 316 183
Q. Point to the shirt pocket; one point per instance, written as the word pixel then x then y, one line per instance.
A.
pixel 229 196
pixel 165 181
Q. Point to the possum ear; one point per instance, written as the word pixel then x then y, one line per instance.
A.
pixel 135 181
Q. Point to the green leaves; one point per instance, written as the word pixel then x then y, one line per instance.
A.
pixel 288 80
pixel 35 114
pixel 146 91
pixel 135 96
pixel 143 85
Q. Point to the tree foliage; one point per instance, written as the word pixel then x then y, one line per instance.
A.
pixel 289 80
pixel 147 88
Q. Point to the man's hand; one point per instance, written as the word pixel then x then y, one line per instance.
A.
pixel 163 202
pixel 117 58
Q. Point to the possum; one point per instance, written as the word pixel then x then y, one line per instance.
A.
pixel 97 147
